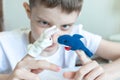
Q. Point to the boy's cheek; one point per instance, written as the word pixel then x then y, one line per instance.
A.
pixel 36 32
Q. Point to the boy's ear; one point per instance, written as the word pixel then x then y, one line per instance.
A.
pixel 27 9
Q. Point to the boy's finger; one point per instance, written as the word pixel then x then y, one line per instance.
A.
pixel 69 75
pixel 31 64
pixel 82 56
pixel 26 75
pixel 36 71
pixel 50 29
pixel 42 64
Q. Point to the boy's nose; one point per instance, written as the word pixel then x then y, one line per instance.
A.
pixel 55 37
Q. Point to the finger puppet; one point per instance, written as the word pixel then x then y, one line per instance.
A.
pixel 42 42
pixel 74 43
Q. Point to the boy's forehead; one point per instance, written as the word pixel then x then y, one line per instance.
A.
pixel 55 14
pixel 59 8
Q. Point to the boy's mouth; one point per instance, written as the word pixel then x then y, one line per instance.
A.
pixel 67 48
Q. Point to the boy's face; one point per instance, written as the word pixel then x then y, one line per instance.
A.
pixel 42 18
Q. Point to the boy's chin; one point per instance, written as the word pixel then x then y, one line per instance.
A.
pixel 49 51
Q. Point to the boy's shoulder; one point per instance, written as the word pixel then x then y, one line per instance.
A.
pixel 13 34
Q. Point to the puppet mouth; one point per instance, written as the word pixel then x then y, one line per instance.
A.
pixel 67 48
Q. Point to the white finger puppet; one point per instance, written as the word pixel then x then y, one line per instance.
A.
pixel 42 42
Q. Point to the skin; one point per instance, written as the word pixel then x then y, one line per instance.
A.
pixel 42 18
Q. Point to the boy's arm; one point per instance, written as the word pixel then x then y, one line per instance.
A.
pixel 110 50
pixel 4 76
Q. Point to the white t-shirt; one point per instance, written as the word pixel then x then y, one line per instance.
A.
pixel 13 47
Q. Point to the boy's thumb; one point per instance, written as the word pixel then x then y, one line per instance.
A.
pixel 82 56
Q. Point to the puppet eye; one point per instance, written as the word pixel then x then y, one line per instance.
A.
pixel 65 41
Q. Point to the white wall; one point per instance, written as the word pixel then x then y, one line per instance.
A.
pixel 98 16
pixel 101 16
pixel 14 14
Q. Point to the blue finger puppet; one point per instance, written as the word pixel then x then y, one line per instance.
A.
pixel 74 43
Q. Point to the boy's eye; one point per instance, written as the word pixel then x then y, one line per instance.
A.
pixel 43 23
pixel 65 27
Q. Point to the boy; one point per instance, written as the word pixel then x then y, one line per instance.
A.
pixel 43 14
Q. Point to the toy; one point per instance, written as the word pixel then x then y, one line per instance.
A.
pixel 42 42
pixel 74 43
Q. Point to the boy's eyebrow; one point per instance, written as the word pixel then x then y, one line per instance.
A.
pixel 69 23
pixel 43 19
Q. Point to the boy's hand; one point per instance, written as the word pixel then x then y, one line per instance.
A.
pixel 28 69
pixel 90 70
pixel 42 42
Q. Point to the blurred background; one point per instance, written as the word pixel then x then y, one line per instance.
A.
pixel 101 17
